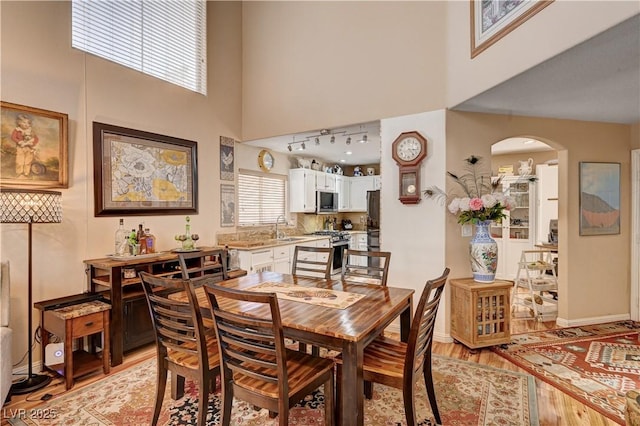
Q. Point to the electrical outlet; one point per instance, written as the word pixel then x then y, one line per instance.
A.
pixel 467 230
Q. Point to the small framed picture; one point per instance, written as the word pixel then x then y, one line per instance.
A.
pixel 227 205
pixel 227 158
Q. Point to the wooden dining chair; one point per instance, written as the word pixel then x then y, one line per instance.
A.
pixel 195 264
pixel 370 267
pixel 312 262
pixel 400 365
pixel 256 365
pixel 183 345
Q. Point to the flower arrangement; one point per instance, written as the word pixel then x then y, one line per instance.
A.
pixel 483 199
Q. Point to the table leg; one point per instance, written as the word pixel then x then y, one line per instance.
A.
pixel 106 345
pixel 352 404
pixel 68 354
pixel 405 322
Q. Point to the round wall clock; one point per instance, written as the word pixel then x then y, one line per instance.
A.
pixel 265 160
pixel 408 150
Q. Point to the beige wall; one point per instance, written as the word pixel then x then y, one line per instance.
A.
pixel 40 69
pixel 312 65
pixel 589 264
pixel 635 136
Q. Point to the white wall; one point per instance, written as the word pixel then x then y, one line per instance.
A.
pixel 415 234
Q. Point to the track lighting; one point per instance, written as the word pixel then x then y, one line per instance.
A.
pixel 364 139
pixel 349 140
pixel 333 139
pixel 302 145
pixel 317 141
pixel 289 147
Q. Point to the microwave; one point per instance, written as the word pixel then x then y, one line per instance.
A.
pixel 326 202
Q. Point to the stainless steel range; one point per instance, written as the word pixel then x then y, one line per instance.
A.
pixel 339 241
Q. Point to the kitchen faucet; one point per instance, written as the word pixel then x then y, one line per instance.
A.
pixel 279 234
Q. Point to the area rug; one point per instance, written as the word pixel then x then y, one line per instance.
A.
pixel 468 394
pixel 594 364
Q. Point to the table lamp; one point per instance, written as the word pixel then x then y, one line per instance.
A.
pixel 30 206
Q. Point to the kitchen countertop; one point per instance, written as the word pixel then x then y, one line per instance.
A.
pixel 249 245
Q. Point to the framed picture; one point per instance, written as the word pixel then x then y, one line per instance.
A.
pixel 599 198
pixel 142 173
pixel 491 19
pixel 226 158
pixel 227 205
pixel 34 147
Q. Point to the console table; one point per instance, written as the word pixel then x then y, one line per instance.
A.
pixel 117 279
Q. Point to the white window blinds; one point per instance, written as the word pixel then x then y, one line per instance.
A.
pixel 164 39
pixel 261 198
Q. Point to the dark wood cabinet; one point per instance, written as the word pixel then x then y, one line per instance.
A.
pixel 117 280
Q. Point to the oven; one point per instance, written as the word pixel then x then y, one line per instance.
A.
pixel 339 241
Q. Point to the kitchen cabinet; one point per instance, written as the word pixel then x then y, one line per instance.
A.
pixel 359 187
pixel 480 312
pixel 302 191
pixel 282 259
pixel 277 258
pixel 358 241
pixel 547 190
pixel 343 185
pixel 325 182
pixel 516 232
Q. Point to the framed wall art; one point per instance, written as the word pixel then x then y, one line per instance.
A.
pixel 599 198
pixel 142 173
pixel 491 19
pixel 226 158
pixel 227 205
pixel 34 147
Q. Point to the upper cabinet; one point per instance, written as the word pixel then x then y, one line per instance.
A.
pixel 302 191
pixel 343 185
pixel 359 187
pixel 326 182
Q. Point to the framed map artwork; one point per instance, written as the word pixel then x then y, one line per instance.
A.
pixel 34 147
pixel 142 173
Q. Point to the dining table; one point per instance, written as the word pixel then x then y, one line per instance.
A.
pixel 361 313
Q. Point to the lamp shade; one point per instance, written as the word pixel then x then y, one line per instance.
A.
pixel 30 206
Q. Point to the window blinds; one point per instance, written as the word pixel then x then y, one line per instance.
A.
pixel 261 198
pixel 164 39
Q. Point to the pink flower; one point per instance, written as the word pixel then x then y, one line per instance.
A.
pixel 476 204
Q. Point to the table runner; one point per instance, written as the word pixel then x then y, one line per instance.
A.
pixel 315 296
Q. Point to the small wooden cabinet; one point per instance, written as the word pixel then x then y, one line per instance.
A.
pixel 480 312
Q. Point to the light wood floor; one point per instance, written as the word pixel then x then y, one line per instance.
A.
pixel 554 407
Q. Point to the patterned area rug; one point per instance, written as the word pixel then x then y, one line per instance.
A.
pixel 594 364
pixel 468 394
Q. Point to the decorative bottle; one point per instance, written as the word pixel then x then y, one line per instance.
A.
pixel 150 240
pixel 187 244
pixel 121 236
pixel 142 239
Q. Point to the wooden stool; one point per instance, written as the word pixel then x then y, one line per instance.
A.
pixel 76 322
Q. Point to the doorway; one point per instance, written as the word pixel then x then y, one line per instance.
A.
pixel 635 235
pixel 530 161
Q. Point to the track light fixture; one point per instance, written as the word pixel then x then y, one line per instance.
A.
pixel 289 147
pixel 333 139
pixel 302 145
pixel 317 141
pixel 349 140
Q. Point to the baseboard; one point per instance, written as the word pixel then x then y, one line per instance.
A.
pixel 561 322
pixel 442 337
pixel 23 370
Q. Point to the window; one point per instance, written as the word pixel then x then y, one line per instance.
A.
pixel 261 198
pixel 164 39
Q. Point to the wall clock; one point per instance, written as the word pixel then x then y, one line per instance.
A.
pixel 408 150
pixel 265 160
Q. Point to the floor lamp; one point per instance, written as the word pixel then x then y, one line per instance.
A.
pixel 30 206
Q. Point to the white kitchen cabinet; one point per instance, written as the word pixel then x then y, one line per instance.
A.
pixel 358 241
pixel 302 191
pixel 325 182
pixel 516 232
pixel 281 259
pixel 547 199
pixel 256 260
pixel 359 187
pixel 343 185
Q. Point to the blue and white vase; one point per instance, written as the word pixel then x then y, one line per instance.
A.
pixel 483 253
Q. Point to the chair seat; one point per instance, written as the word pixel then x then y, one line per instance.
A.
pixel 191 360
pixel 383 356
pixel 301 369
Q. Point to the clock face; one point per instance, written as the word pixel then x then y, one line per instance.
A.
pixel 409 148
pixel 265 160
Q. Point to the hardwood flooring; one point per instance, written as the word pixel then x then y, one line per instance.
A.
pixel 554 407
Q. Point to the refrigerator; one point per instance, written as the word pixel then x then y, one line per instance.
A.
pixel 373 225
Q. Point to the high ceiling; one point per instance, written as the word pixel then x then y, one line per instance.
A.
pixel 597 80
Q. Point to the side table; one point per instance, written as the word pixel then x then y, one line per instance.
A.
pixel 77 322
pixel 480 312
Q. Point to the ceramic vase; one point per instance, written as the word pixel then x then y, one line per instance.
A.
pixel 483 254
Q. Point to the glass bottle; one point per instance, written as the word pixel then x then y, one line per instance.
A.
pixel 142 240
pixel 121 235
pixel 187 244
pixel 150 240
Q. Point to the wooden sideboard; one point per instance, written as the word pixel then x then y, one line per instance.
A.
pixel 117 280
